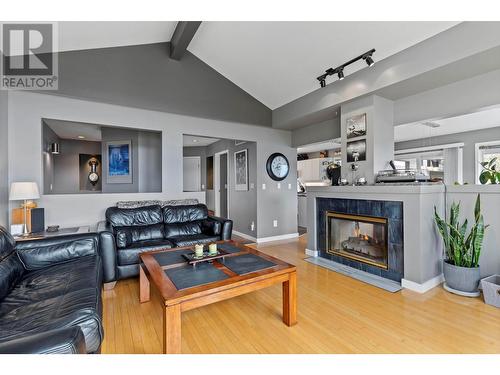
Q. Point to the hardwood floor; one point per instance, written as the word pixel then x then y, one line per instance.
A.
pixel 336 314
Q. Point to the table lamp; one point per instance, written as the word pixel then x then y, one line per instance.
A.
pixel 24 191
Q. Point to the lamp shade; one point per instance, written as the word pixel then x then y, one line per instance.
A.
pixel 23 190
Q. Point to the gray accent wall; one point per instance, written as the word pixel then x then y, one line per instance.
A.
pixel 66 166
pixel 48 137
pixel 242 204
pixel 150 164
pixel 468 138
pixel 144 76
pixel 320 132
pixel 4 165
pixel 276 203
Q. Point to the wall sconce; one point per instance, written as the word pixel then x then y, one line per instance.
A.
pixel 54 148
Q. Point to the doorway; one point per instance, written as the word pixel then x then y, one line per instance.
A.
pixel 221 184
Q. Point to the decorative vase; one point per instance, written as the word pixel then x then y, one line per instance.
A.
pixel 461 279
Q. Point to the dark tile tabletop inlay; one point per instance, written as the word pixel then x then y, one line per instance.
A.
pixel 189 276
pixel 228 248
pixel 242 264
pixel 171 257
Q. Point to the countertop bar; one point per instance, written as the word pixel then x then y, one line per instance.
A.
pixel 377 189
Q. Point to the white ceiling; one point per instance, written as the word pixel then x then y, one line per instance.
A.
pixel 88 35
pixel 72 130
pixel 277 62
pixel 196 141
pixel 488 118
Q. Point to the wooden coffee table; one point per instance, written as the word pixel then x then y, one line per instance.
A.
pixel 183 287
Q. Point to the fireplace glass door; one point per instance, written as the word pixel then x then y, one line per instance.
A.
pixel 357 237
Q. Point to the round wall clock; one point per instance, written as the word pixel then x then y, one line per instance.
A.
pixel 277 166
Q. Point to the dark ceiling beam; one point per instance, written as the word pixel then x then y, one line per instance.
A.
pixel 183 34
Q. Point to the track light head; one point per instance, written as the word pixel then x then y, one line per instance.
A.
pixel 369 61
pixel 340 74
pixel 322 82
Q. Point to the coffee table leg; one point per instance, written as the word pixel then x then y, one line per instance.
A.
pixel 172 329
pixel 290 300
pixel 144 287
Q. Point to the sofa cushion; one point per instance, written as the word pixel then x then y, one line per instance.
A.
pixel 182 229
pixel 47 252
pixel 130 255
pixel 126 236
pixel 184 214
pixel 127 217
pixel 62 295
pixel 193 239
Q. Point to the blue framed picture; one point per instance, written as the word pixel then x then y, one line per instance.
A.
pixel 119 162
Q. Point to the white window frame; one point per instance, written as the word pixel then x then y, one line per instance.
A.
pixel 477 147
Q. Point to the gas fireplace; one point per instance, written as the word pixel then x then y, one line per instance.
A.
pixel 357 237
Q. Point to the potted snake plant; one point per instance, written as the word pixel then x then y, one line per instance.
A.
pixel 462 249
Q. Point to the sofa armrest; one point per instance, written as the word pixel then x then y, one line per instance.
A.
pixel 41 253
pixel 107 245
pixel 104 226
pixel 226 226
pixel 69 340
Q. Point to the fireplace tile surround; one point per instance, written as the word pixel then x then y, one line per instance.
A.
pixel 392 210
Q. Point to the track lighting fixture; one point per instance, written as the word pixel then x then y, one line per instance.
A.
pixel 339 70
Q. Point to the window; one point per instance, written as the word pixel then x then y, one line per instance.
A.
pixel 430 163
pixel 486 151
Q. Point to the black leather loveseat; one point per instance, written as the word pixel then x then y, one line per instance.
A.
pixel 50 294
pixel 153 227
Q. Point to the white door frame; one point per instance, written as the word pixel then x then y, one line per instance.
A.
pixel 217 181
pixel 199 171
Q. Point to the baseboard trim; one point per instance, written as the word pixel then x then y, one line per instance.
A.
pixel 312 253
pixel 245 236
pixel 278 238
pixel 424 287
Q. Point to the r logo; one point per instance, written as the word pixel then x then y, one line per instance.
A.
pixel 27 49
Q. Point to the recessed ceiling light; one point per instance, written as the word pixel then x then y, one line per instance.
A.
pixel 81 137
pixel 195 140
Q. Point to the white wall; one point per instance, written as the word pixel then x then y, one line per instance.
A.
pixel 27 109
pixel 4 183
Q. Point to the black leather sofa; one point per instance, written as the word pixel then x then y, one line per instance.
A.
pixel 50 294
pixel 136 230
